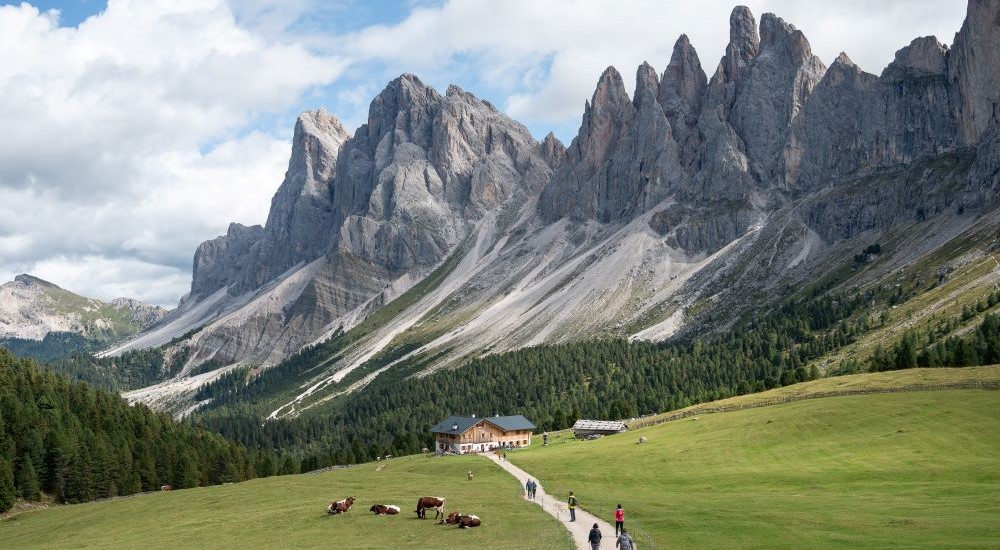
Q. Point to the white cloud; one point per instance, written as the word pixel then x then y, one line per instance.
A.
pixel 127 139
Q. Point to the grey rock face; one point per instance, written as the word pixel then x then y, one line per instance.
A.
pixel 974 70
pixel 682 92
pixel 856 121
pixel 140 313
pixel 777 82
pixel 301 210
pixel 553 151
pixel 220 261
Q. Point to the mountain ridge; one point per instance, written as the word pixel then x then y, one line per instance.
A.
pixel 695 191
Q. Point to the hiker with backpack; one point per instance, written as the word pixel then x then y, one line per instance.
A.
pixel 619 520
pixel 572 506
pixel 625 541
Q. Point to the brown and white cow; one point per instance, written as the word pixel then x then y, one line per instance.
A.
pixel 384 509
pixel 465 522
pixel 452 519
pixel 166 487
pixel 426 503
pixel 340 506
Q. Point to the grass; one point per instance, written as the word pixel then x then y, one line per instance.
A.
pixel 289 512
pixel 903 470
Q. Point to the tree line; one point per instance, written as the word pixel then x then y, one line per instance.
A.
pixel 79 443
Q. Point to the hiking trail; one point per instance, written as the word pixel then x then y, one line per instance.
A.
pixel 556 507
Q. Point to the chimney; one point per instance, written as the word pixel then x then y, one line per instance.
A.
pixel 454 427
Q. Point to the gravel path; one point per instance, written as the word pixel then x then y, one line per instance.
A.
pixel 580 529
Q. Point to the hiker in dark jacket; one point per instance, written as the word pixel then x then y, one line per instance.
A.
pixel 572 506
pixel 595 538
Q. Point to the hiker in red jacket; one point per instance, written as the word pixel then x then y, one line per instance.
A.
pixel 619 520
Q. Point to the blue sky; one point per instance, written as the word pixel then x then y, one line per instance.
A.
pixel 136 129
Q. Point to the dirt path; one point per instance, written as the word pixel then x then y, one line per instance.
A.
pixel 580 529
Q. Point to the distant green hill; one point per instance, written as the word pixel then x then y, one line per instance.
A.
pixel 901 470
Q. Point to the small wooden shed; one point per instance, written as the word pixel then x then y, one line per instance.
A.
pixel 584 428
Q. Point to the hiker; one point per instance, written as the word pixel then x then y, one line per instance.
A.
pixel 534 487
pixel 625 542
pixel 619 520
pixel 595 538
pixel 572 506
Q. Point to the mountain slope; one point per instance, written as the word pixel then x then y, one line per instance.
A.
pixel 442 231
pixel 32 309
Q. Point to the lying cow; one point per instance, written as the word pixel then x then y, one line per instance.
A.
pixel 340 506
pixel 452 519
pixel 463 521
pixel 426 503
pixel 384 509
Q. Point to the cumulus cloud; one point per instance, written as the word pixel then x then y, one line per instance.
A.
pixel 128 139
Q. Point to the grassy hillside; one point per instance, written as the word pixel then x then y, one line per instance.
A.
pixel 289 512
pixel 903 470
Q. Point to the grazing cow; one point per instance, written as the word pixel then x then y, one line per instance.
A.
pixel 465 522
pixel 340 506
pixel 384 509
pixel 426 503
pixel 166 488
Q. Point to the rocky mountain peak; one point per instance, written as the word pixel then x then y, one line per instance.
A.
pixel 30 280
pixel 776 34
pixel 924 56
pixel 683 85
pixel 647 85
pixel 553 151
pixel 610 94
pixel 744 41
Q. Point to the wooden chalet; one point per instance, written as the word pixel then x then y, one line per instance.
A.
pixel 469 434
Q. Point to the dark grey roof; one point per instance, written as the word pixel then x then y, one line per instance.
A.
pixel 507 423
pixel 455 425
pixel 459 424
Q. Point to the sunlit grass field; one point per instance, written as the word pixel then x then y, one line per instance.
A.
pixel 906 470
pixel 290 512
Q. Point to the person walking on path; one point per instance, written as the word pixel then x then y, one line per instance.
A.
pixel 625 541
pixel 619 520
pixel 572 506
pixel 534 489
pixel 595 538
pixel 527 488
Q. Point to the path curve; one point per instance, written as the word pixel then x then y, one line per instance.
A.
pixel 580 529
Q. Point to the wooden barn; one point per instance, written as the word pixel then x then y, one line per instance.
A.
pixel 469 434
pixel 585 428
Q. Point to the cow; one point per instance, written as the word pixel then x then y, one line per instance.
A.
pixel 384 509
pixel 426 503
pixel 452 519
pixel 465 522
pixel 166 487
pixel 340 506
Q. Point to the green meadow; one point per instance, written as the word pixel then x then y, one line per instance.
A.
pixel 904 470
pixel 290 512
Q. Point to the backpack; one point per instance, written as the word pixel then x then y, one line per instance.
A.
pixel 625 542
